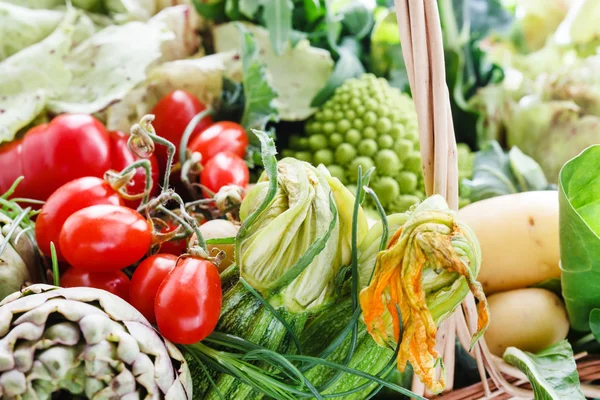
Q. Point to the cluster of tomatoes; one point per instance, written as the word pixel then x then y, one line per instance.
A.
pixel 222 144
pixel 96 234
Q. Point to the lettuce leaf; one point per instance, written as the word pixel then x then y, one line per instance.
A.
pixel 21 27
pixel 121 11
pixel 29 78
pixel 552 372
pixel 108 65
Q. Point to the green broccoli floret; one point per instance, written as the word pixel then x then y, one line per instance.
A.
pixel 369 123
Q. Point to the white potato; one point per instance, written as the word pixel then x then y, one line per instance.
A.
pixel 528 319
pixel 518 234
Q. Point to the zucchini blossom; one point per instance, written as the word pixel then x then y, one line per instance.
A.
pixel 427 269
pixel 295 247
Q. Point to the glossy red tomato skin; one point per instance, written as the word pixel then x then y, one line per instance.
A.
pixel 115 282
pixel 188 302
pixel 172 115
pixel 122 157
pixel 146 280
pixel 224 169
pixel 66 200
pixel 175 247
pixel 70 146
pixel 219 137
pixel 105 238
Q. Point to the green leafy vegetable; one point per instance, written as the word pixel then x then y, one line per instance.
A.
pixel 551 284
pixel 121 11
pixel 104 68
pixel 467 67
pixel 358 19
pixel 29 78
pixel 278 20
pixel 259 96
pixel 551 372
pixel 296 75
pixel 496 173
pixel 21 27
pixel 385 57
pixel 212 9
pixel 348 66
pixel 76 69
pixel 595 323
pixel 579 200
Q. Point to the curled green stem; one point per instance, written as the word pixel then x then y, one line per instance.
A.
pixel 191 222
pixel 120 180
pixel 184 219
pixel 187 133
pixel 142 141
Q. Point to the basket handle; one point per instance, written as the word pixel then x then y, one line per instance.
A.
pixel 423 51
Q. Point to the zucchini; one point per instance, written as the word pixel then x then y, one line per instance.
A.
pixel 368 356
pixel 243 315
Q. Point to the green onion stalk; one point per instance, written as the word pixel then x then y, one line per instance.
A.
pixel 20 260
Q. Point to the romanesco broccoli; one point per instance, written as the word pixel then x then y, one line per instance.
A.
pixel 369 123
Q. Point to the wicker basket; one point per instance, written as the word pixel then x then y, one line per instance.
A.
pixel 422 48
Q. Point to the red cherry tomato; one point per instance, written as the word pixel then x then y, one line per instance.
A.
pixel 67 199
pixel 115 282
pixel 188 302
pixel 69 147
pixel 224 169
pixel 219 137
pixel 172 115
pixel 146 280
pixel 105 238
pixel 121 157
pixel 175 247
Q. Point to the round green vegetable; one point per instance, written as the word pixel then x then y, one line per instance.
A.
pixel 369 123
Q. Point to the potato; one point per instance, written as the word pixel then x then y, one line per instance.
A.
pixel 529 319
pixel 216 229
pixel 518 234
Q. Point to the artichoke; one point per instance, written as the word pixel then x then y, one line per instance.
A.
pixel 87 343
pixel 292 252
pixel 428 268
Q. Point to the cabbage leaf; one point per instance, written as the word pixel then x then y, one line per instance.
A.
pixel 296 75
